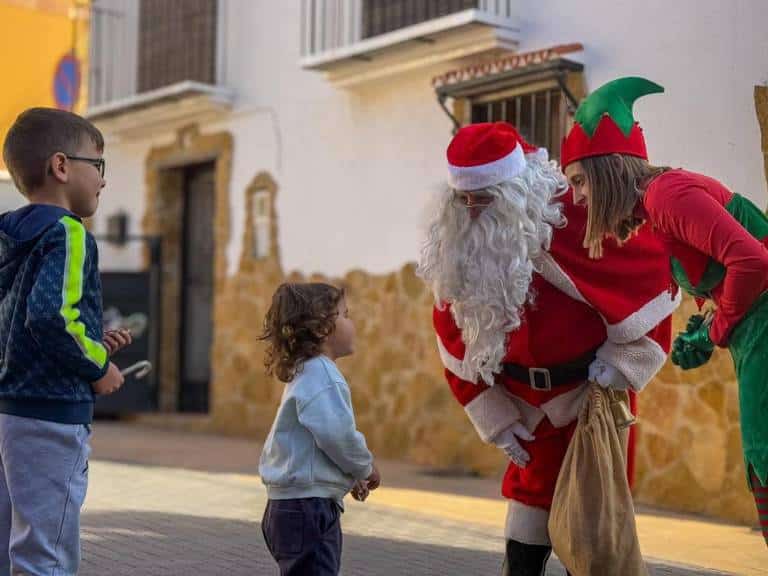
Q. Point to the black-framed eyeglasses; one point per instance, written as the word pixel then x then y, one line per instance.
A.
pixel 99 163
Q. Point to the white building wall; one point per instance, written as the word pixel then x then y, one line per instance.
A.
pixel 113 57
pixel 125 192
pixel 708 54
pixel 355 168
pixel 10 197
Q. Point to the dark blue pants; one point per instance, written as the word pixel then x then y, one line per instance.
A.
pixel 304 536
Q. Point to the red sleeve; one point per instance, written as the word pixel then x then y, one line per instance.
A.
pixel 451 345
pixel 629 286
pixel 462 390
pixel 662 334
pixel 690 215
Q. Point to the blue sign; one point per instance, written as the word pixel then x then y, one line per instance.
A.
pixel 66 82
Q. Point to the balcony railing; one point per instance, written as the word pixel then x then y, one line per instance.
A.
pixel 382 17
pixel 139 46
pixel 334 30
pixel 114 51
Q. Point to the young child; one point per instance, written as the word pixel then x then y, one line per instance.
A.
pixel 54 356
pixel 314 454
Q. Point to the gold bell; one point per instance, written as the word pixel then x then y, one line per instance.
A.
pixel 622 416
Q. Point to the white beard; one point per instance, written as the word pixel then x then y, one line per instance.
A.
pixel 483 268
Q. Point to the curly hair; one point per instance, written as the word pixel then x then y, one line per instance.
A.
pixel 299 320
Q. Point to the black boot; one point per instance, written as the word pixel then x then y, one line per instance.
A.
pixel 525 559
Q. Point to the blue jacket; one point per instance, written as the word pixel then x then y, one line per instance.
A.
pixel 51 346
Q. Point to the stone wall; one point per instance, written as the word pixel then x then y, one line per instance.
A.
pixel 689 444
pixel 689 447
pixel 761 107
pixel 402 403
pixel 689 452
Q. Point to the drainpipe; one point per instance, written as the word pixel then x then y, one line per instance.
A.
pixel 572 103
pixel 456 124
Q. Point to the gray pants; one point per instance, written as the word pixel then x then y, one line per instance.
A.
pixel 43 481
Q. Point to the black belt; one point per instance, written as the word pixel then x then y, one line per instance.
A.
pixel 546 378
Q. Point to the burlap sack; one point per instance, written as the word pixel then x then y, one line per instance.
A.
pixel 592 522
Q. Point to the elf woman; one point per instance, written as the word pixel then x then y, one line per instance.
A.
pixel 717 241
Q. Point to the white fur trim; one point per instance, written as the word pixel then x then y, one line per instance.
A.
pixel 607 375
pixel 638 361
pixel 540 154
pixel 526 524
pixel 454 364
pixel 564 408
pixel 551 272
pixel 530 415
pixel 644 320
pixel 491 412
pixel 477 177
pixel 634 326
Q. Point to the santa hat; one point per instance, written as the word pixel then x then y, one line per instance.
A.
pixel 604 123
pixel 482 155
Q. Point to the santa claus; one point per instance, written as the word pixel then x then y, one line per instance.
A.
pixel 525 319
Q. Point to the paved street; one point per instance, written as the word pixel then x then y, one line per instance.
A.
pixel 200 514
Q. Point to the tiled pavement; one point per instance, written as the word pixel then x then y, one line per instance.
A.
pixel 165 503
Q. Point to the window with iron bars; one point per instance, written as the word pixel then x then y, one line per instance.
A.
pixel 540 116
pixel 382 16
pixel 177 42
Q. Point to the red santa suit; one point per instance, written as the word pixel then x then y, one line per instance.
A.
pixel 615 309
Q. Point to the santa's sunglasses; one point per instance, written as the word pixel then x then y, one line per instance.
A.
pixel 469 200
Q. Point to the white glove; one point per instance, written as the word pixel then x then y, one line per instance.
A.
pixel 607 376
pixel 508 441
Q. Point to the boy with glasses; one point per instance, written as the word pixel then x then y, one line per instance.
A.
pixel 54 357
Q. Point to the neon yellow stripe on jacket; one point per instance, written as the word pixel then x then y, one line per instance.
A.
pixel 72 292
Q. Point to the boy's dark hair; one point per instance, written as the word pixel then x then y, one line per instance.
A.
pixel 300 318
pixel 36 135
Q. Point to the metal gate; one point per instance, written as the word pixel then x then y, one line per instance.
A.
pixel 196 295
pixel 131 300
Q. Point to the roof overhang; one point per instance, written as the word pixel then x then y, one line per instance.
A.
pixel 507 72
pixel 171 105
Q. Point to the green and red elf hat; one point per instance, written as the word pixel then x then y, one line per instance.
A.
pixel 604 123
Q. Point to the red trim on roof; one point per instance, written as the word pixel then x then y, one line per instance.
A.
pixel 505 64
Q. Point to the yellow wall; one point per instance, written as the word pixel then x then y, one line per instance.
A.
pixel 34 35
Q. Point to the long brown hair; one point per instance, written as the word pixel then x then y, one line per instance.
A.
pixel 616 183
pixel 299 320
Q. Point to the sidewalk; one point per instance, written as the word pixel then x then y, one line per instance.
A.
pixel 163 502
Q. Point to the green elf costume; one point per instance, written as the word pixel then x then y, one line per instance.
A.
pixel 718 246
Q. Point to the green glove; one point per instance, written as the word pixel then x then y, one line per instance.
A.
pixel 694 323
pixel 688 357
pixel 693 348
